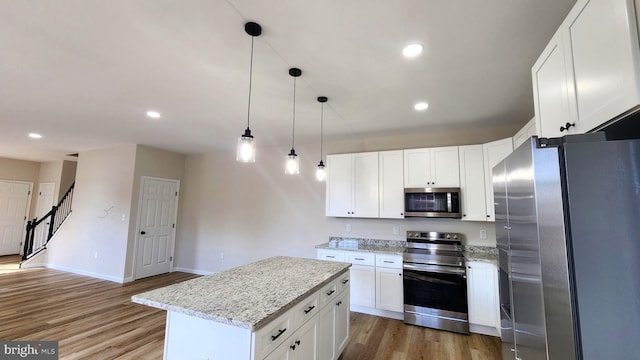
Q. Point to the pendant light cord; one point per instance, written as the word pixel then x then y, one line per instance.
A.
pixel 250 83
pixel 293 135
pixel 321 127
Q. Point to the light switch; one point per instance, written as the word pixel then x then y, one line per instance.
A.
pixel 348 228
pixel 483 234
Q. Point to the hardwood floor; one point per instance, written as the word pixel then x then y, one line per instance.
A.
pixel 376 338
pixel 95 319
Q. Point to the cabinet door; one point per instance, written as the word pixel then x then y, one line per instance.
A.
pixel 365 185
pixel 339 195
pixel 326 333
pixel 280 353
pixel 341 322
pixel 474 202
pixel 525 133
pixel 494 152
pixel 363 285
pixel 304 345
pixel 482 293
pixel 445 168
pixel 550 89
pixel 389 294
pixel 603 40
pixel 391 184
pixel 417 168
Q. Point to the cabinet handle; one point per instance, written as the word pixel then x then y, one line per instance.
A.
pixel 566 126
pixel 488 216
pixel 280 332
pixel 400 274
pixel 464 215
pixel 330 292
pixel 401 214
pixel 309 309
pixel 388 262
pixel 293 347
pixel 507 227
pixel 345 281
pixel 360 259
pixel 330 256
pixel 339 303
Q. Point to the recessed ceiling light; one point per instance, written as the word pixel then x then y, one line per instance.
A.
pixel 35 136
pixel 412 50
pixel 153 114
pixel 421 106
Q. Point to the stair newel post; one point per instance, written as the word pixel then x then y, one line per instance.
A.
pixel 25 248
pixel 31 236
pixel 54 209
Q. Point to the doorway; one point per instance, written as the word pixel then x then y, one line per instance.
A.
pixel 15 200
pixel 156 226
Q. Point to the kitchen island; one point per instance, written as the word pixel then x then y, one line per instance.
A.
pixel 277 308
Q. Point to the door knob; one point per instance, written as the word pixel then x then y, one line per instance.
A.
pixel 142 232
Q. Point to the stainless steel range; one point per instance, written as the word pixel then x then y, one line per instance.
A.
pixel 435 281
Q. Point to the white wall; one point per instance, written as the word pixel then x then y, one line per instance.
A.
pixel 252 211
pixel 102 197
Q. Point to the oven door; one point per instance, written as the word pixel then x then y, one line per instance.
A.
pixel 436 296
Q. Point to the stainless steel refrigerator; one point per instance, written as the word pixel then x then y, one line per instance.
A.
pixel 568 235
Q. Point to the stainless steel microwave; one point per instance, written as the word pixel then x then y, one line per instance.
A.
pixel 432 202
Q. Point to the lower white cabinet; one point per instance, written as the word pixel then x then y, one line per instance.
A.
pixel 301 345
pixel 389 294
pixel 376 281
pixel 482 285
pixel 333 323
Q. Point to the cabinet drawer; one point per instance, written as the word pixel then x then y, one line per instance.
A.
pixel 389 261
pixel 361 258
pixel 344 281
pixel 273 334
pixel 306 309
pixel 328 292
pixel 331 255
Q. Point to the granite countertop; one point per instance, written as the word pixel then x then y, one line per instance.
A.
pixel 480 253
pixel 248 296
pixel 395 247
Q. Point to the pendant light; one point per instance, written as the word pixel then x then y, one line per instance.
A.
pixel 246 151
pixel 321 172
pixel 293 163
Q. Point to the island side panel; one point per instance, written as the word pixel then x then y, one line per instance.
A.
pixel 189 337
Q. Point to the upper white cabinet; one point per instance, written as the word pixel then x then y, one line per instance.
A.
pixel 352 185
pixel 550 89
pixel 527 131
pixel 431 167
pixel 391 185
pixel 493 152
pixel 594 62
pixel 474 203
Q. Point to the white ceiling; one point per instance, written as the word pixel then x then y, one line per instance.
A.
pixel 83 72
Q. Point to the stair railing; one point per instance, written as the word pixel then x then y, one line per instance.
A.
pixel 38 227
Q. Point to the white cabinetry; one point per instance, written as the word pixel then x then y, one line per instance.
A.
pixel 376 281
pixel 334 327
pixel 482 284
pixel 391 184
pixel 593 62
pixel 352 185
pixel 527 131
pixel 494 152
pixel 389 290
pixel 550 89
pixel 473 193
pixel 302 345
pixel 431 167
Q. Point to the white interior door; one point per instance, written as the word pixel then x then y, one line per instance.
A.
pixel 14 204
pixel 156 224
pixel 46 192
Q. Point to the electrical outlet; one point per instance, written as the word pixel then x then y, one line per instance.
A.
pixel 124 216
pixel 348 228
pixel 95 256
pixel 483 234
pixel 221 255
pixel 396 230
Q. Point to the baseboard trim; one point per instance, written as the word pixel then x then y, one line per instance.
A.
pixel 484 330
pixel 116 279
pixel 377 312
pixel 192 271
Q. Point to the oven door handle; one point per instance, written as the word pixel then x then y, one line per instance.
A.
pixel 435 269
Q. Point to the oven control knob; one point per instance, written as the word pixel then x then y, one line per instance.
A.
pixel 455 237
pixel 448 236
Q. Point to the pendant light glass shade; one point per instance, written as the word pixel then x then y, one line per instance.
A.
pixel 292 166
pixel 321 173
pixel 246 151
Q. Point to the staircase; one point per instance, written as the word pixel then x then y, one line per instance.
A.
pixel 40 231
